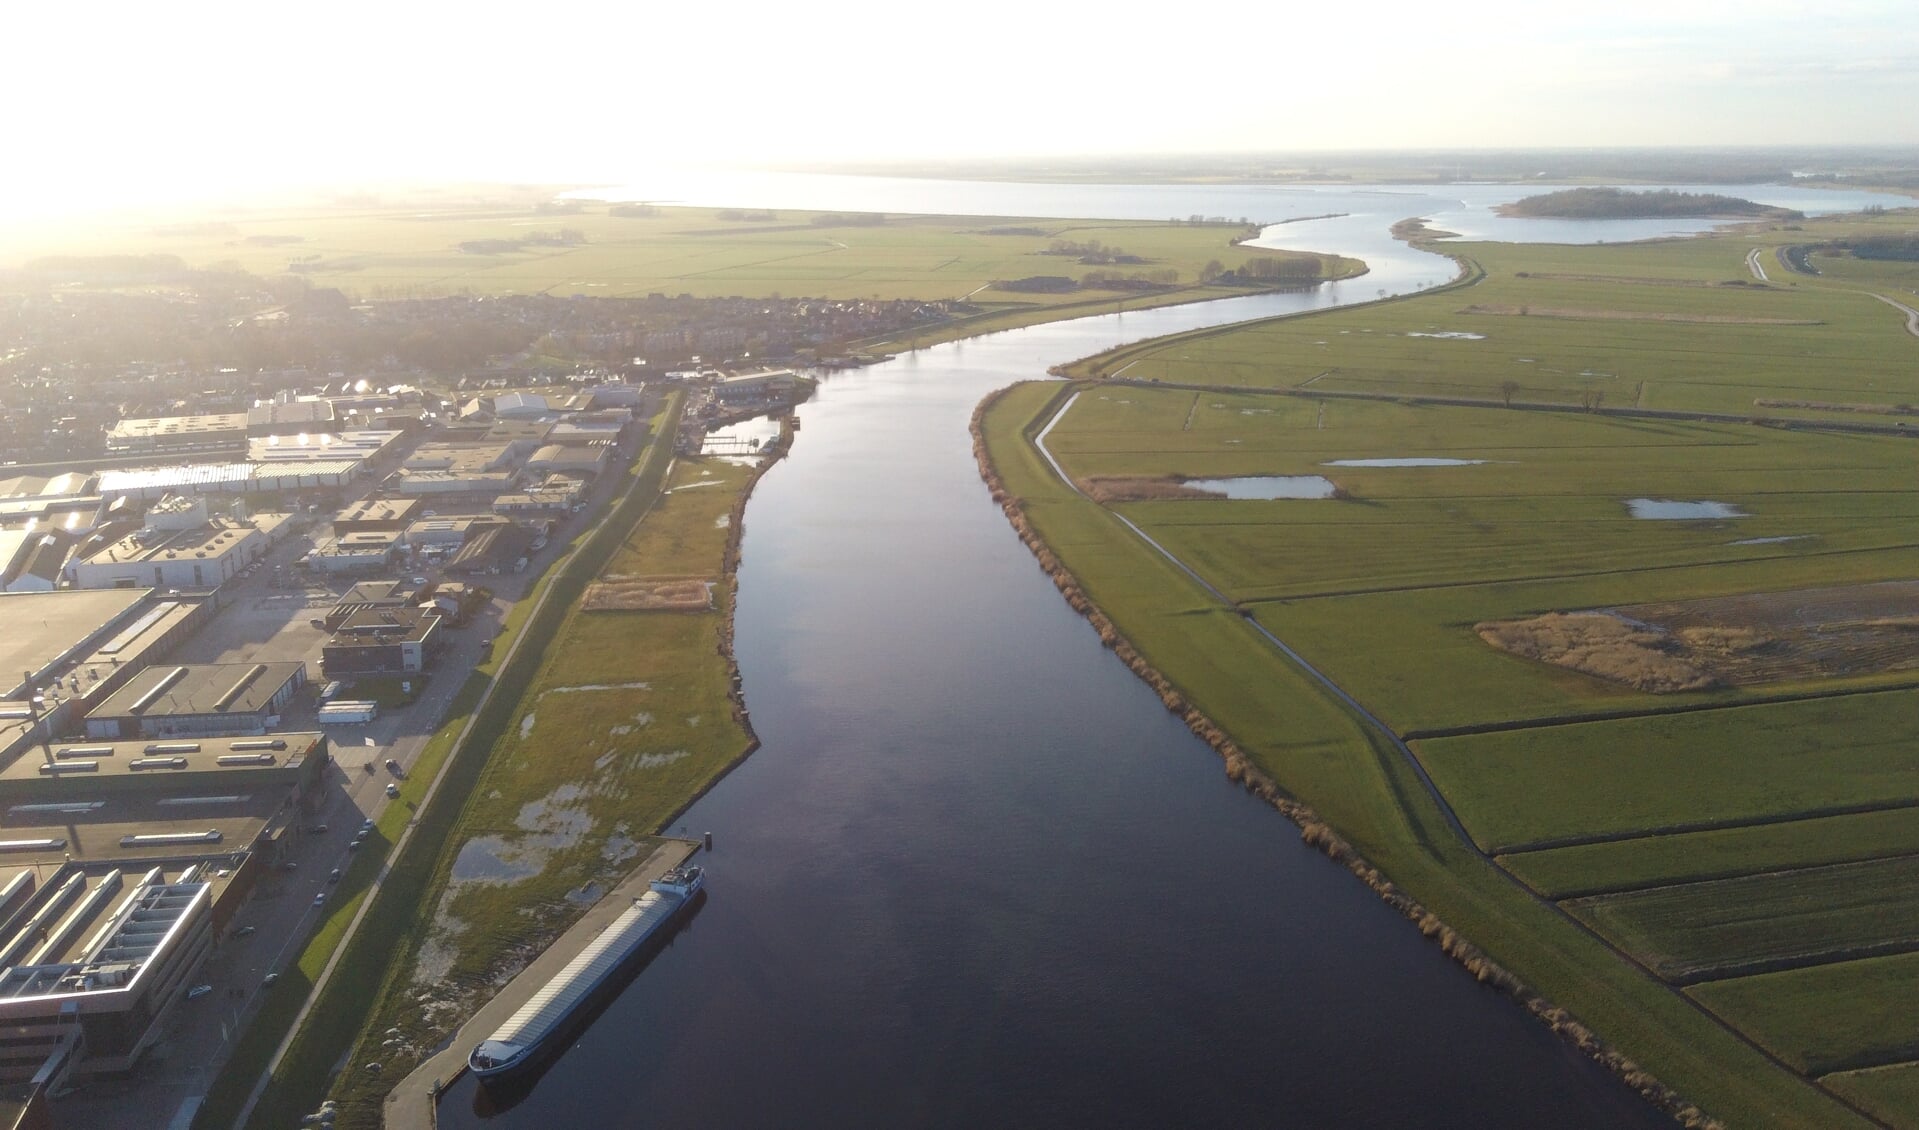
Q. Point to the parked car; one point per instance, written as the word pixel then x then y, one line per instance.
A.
pixel 198 991
pixel 392 789
pixel 393 766
pixel 267 981
pixel 316 829
pixel 244 931
pixel 319 899
pixel 333 876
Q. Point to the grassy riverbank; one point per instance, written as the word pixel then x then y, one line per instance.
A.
pixel 535 813
pixel 1575 792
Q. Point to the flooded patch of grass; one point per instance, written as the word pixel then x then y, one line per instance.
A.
pixel 1268 487
pixel 1673 510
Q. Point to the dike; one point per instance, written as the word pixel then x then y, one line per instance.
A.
pixel 1312 829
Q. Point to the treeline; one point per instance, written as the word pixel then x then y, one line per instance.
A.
pixel 1091 252
pixel 849 219
pixel 1266 269
pixel 1904 248
pixel 748 214
pixel 565 237
pixel 1619 204
pixel 633 211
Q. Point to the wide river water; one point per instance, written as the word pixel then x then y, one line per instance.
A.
pixel 977 875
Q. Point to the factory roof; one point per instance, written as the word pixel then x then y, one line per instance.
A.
pixel 210 688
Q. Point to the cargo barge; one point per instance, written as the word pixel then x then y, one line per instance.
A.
pixel 517 1043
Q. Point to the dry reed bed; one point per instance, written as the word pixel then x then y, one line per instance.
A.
pixel 1313 830
pixel 1139 488
pixel 617 592
pixel 1603 646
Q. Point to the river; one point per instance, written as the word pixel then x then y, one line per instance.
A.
pixel 978 875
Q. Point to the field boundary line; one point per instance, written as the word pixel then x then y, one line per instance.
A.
pixel 1477 729
pixel 1834 865
pixel 1547 578
pixel 1787 423
pixel 1526 847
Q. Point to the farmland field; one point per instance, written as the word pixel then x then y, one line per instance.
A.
pixel 1828 1017
pixel 1700 931
pixel 499 246
pixel 1763 821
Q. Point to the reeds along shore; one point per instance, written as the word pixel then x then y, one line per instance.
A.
pixel 1313 830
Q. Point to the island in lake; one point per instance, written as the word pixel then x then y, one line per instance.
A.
pixel 1620 204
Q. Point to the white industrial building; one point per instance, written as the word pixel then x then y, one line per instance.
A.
pixel 179 547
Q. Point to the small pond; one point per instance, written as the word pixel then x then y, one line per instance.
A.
pixel 1669 510
pixel 1267 486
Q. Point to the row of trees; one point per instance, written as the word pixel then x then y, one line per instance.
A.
pixel 1266 269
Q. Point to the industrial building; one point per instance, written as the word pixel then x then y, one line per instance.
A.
pixel 229 478
pixel 198 701
pixel 281 418
pixel 751 388
pixel 590 429
pixel 32 560
pixel 356 446
pixel 370 595
pixel 383 515
pixel 123 862
pixel 73 649
pixel 495 549
pixel 178 434
pixel 369 551
pixel 180 547
pixel 554 459
pixel 382 641
pixel 520 406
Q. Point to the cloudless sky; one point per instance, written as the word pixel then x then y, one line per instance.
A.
pixel 117 103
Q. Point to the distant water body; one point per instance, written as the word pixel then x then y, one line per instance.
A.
pixel 978 875
pixel 1467 209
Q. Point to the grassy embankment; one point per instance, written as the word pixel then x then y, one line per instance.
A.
pixel 409 252
pixel 1382 588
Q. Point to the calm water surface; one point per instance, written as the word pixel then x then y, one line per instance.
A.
pixel 978 876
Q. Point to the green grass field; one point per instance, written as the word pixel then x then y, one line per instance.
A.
pixel 1701 931
pixel 1660 860
pixel 1709 833
pixel 1528 787
pixel 411 252
pixel 1829 1017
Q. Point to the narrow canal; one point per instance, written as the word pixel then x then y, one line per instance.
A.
pixel 978 876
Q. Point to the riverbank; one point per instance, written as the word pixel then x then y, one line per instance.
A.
pixel 995 321
pixel 1481 784
pixel 409 1106
pixel 545 820
pixel 633 715
pixel 1314 830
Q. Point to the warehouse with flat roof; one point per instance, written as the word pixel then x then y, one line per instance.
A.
pixel 202 700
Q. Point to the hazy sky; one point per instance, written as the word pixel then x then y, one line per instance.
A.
pixel 113 102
